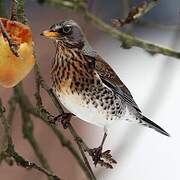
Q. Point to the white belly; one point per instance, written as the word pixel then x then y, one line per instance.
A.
pixel 87 112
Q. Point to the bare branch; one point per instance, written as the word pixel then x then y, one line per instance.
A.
pixel 46 117
pixel 20 161
pixel 127 40
pixel 41 82
pixel 21 12
pixel 8 150
pixel 135 13
pixel 13 46
pixel 12 109
pixel 28 126
pixel 13 10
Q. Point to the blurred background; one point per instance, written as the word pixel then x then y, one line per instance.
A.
pixel 142 153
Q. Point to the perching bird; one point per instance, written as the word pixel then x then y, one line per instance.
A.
pixel 86 85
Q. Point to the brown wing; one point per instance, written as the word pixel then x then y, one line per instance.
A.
pixel 110 79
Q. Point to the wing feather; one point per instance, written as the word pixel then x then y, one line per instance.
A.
pixel 110 79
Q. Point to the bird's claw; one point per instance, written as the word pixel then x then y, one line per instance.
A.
pixel 96 154
pixel 64 119
pixel 103 158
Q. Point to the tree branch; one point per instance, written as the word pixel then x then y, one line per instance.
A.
pixel 41 83
pixel 12 109
pixel 8 150
pixel 135 13
pixel 43 115
pixel 7 122
pixel 21 12
pixel 13 10
pixel 13 46
pixel 27 164
pixel 127 40
pixel 28 126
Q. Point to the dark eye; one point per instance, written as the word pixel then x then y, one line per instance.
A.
pixel 67 29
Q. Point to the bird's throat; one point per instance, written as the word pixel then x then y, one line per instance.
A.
pixel 70 71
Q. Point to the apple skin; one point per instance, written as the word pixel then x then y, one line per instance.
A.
pixel 14 69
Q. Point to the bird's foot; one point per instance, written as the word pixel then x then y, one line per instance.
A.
pixel 96 154
pixel 64 119
pixel 103 158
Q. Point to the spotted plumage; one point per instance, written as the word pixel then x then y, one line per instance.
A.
pixel 86 85
pixel 80 89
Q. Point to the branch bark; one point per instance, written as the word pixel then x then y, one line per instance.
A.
pixel 13 46
pixel 135 13
pixel 28 127
pixel 127 40
pixel 41 83
pixel 8 150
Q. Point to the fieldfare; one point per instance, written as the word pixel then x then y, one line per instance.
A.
pixel 86 85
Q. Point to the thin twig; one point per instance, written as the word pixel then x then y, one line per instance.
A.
pixel 81 146
pixel 8 122
pixel 135 13
pixel 41 82
pixel 127 40
pixel 73 133
pixel 13 46
pixel 12 109
pixel 13 10
pixel 21 12
pixel 8 150
pixel 6 135
pixel 28 126
pixel 43 115
pixel 27 164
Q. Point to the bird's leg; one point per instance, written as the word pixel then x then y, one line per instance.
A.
pixel 97 152
pixel 103 140
pixel 103 158
pixel 64 119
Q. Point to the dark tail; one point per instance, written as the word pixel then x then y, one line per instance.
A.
pixel 146 122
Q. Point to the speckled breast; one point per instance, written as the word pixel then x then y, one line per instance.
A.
pixel 82 92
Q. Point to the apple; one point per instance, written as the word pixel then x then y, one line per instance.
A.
pixel 14 69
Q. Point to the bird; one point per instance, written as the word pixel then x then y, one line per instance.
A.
pixel 87 85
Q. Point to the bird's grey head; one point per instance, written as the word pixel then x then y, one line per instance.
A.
pixel 68 32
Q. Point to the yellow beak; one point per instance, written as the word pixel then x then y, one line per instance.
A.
pixel 50 34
